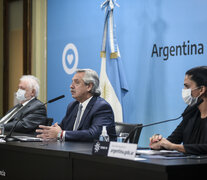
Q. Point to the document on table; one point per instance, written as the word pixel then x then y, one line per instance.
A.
pixel 160 154
pixel 28 139
pixel 166 154
pixel 155 152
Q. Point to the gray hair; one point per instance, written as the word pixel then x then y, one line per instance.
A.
pixel 91 76
pixel 33 83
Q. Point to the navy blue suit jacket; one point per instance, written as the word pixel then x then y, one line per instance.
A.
pixel 97 114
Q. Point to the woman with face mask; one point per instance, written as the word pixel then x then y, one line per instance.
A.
pixel 192 131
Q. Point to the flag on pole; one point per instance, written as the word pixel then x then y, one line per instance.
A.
pixel 112 78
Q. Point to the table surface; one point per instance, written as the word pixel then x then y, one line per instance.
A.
pixel 85 149
pixel 76 157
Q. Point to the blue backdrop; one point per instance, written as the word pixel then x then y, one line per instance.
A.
pixel 158 41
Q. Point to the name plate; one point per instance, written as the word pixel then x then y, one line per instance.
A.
pixel 115 149
pixel 122 150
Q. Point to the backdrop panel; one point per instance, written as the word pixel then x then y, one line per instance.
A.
pixel 158 41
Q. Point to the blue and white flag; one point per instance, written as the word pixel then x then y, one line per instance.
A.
pixel 112 78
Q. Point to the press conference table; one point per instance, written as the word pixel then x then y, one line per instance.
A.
pixel 74 160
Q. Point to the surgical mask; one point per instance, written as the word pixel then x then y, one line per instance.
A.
pixel 20 95
pixel 188 98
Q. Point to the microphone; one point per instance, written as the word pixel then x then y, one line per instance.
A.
pixel 55 99
pixel 9 138
pixel 188 110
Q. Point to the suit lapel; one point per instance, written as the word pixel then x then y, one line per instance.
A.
pixel 87 110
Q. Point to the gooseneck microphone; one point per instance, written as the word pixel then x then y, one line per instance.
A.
pixel 55 99
pixel 9 138
pixel 188 110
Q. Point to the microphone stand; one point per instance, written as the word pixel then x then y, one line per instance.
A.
pixel 146 125
pixel 190 109
pixel 8 137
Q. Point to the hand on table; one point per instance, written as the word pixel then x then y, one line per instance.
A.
pixel 157 142
pixel 48 132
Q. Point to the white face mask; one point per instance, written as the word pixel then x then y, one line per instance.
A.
pixel 188 98
pixel 20 95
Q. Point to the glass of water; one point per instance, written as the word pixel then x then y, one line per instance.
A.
pixel 122 137
pixel 1 130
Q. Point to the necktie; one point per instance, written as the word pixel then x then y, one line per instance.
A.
pixel 9 116
pixel 77 122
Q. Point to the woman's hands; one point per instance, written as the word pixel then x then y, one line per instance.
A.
pixel 157 142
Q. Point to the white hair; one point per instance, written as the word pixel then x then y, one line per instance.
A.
pixel 33 83
pixel 91 76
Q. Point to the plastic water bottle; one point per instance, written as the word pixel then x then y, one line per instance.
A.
pixel 104 136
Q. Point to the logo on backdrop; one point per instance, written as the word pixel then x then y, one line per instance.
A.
pixel 70 58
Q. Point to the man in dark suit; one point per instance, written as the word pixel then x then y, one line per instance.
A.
pixel 85 116
pixel 30 111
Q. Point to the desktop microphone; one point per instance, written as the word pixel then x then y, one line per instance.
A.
pixel 55 99
pixel 9 137
pixel 188 110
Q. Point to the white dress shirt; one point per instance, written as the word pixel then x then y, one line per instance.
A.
pixel 84 104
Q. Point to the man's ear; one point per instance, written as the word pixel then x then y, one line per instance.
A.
pixel 33 92
pixel 90 86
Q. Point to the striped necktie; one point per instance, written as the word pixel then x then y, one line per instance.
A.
pixel 77 122
pixel 10 115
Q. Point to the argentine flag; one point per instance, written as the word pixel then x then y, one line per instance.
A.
pixel 112 78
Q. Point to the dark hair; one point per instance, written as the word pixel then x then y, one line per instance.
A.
pixel 198 75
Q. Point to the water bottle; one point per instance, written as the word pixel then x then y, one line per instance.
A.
pixel 104 136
